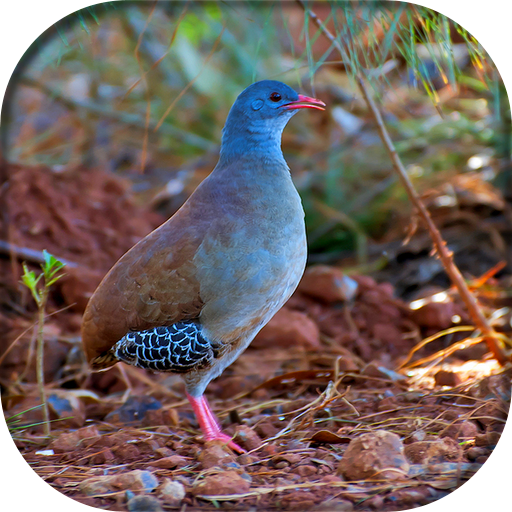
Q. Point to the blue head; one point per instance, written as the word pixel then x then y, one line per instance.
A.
pixel 258 116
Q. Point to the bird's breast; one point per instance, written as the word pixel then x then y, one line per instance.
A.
pixel 251 262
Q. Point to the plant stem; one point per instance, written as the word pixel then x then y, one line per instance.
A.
pixel 445 255
pixel 40 362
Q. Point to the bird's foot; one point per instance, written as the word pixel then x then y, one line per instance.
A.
pixel 209 424
pixel 225 440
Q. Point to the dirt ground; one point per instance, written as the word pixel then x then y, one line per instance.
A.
pixel 339 401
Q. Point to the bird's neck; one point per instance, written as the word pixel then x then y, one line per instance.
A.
pixel 257 142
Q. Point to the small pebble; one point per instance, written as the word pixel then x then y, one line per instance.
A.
pixel 335 506
pixel 144 504
pixel 306 470
pixel 172 492
pixel 174 461
pixel 222 483
pixel 446 378
pixel 476 451
pixel 247 438
pixel 215 454
pixel 375 453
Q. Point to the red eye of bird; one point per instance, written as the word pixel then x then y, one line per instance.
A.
pixel 275 96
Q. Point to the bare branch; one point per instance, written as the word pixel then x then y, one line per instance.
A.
pixel 445 255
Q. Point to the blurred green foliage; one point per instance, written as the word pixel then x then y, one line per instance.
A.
pixel 95 86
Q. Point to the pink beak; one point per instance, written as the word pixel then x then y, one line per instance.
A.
pixel 305 102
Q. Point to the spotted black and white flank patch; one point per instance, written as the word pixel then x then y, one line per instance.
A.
pixel 178 348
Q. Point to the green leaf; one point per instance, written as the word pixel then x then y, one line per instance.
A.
pixel 50 267
pixel 53 280
pixel 30 280
pixel 16 417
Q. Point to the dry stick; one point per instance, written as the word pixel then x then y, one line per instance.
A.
pixel 444 253
pixel 40 362
pixel 27 254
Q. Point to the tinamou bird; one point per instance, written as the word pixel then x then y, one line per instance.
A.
pixel 193 294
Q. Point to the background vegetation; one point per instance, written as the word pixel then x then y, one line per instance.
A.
pixel 143 90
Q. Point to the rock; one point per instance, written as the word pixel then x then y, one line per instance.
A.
pixel 416 453
pixel 416 436
pixel 144 504
pixel 127 452
pixel 96 485
pixel 330 479
pixel 170 416
pixel 409 497
pixel 335 506
pixel 451 431
pixel 297 500
pixel 487 439
pixel 104 457
pixel 433 452
pixel 468 430
pixel 153 417
pixel 374 455
pixel 287 458
pixel 434 315
pixel 164 452
pixel 446 378
pixel 306 470
pixel 328 284
pixel 247 438
pixel 134 410
pixel 266 428
pixel 387 403
pixel 375 503
pixel 444 450
pixel 289 328
pixel 88 435
pixel 164 429
pixel 222 483
pixel 475 452
pixel 244 459
pixel 137 480
pixel 428 471
pixel 492 414
pixel 174 461
pixel 66 442
pixel 215 454
pixel 172 492
pixel 69 409
pixel 238 468
pixel 465 430
pixel 412 397
pixel 269 450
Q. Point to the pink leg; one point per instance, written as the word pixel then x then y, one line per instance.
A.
pixel 209 424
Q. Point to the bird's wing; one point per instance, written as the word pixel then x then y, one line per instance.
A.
pixel 153 284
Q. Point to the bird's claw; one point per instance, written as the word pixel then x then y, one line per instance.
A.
pixel 226 440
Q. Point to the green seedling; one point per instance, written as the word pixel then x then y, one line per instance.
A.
pixel 39 286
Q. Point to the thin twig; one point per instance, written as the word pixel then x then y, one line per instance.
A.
pixel 187 87
pixel 445 255
pixel 27 254
pixel 122 117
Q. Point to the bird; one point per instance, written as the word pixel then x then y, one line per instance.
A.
pixel 191 296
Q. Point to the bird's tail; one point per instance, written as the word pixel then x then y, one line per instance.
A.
pixel 103 362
